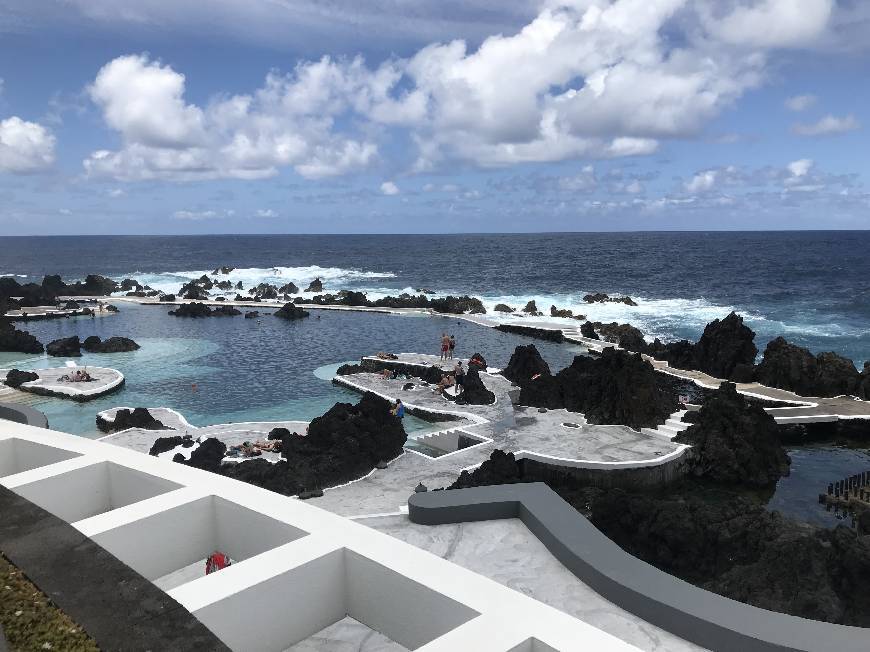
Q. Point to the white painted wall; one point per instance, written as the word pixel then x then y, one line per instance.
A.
pixel 299 568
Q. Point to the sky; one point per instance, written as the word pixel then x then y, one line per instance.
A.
pixel 432 116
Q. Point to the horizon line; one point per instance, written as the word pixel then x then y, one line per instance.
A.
pixel 405 234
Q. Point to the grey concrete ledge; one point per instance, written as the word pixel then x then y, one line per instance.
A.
pixel 23 414
pixel 705 618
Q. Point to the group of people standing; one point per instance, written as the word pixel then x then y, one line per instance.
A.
pixel 448 343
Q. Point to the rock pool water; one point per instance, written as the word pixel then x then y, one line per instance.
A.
pixel 264 369
pixel 812 468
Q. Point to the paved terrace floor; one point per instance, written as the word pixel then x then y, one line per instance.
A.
pixel 231 434
pixel 501 425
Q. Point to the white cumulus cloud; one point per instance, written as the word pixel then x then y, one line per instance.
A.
pixel 389 188
pixel 826 126
pixel 25 146
pixel 266 212
pixel 583 79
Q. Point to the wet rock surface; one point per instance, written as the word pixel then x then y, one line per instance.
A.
pixel 600 297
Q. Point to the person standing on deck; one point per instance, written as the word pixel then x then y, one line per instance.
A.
pixel 459 374
pixel 445 346
pixel 452 346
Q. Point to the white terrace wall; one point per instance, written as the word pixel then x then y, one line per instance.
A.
pixel 297 568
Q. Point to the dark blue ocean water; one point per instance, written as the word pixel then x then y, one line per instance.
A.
pixel 812 287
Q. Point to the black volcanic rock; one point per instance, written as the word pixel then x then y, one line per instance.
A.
pixel 94 285
pixel 208 455
pixel 315 286
pixel 587 329
pixel 561 312
pixel 625 335
pixel 474 392
pixel 14 340
pixel 477 360
pixel 264 291
pixel 531 308
pixel 129 284
pixel 737 548
pixel 252 314
pixel 125 418
pixel 615 388
pixel 291 311
pixel 16 377
pixel 500 468
pixel 548 334
pixel 404 300
pixel 348 369
pixel 289 288
pixel 65 347
pixel 600 297
pixel 342 445
pixel 223 270
pixel 501 307
pixel 458 305
pixel 169 298
pixel 795 368
pixel 525 363
pixel 725 344
pixel 735 442
pixel 93 344
pixel 835 375
pixel 202 310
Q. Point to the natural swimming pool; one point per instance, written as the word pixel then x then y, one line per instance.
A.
pixel 265 369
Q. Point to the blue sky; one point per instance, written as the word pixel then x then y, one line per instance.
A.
pixel 259 116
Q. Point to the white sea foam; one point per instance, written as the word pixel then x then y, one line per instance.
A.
pixel 333 278
pixel 668 319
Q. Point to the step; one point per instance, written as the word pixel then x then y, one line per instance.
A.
pixel 659 434
pixel 677 424
pixel 669 431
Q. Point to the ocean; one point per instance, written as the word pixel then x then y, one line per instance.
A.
pixel 811 287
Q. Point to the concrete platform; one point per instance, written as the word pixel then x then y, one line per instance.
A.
pixel 105 381
pixel 231 434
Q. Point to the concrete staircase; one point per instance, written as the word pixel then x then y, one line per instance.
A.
pixel 670 428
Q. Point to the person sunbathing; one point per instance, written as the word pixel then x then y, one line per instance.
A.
pixel 273 446
pixel 446 381
pixel 245 449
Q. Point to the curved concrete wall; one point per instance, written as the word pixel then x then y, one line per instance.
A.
pixel 700 616
pixel 23 414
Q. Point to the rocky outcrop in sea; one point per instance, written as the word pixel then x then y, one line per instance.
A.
pixel 14 340
pixel 65 347
pixel 94 344
pixel 16 377
pixel 291 311
pixel 202 310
